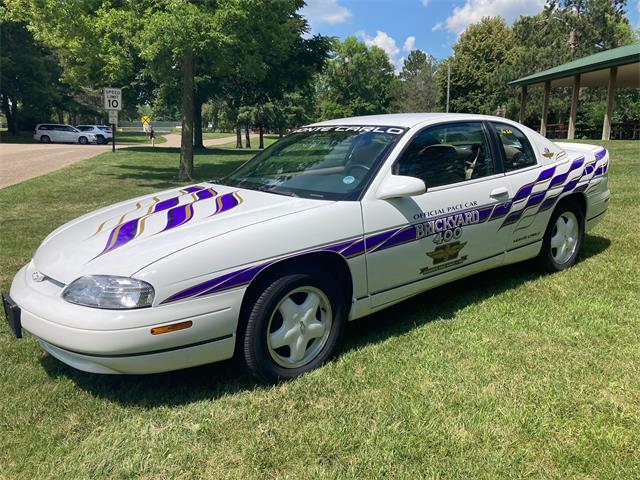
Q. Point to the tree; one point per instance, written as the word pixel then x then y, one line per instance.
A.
pixel 29 85
pixel 417 90
pixel 358 80
pixel 480 66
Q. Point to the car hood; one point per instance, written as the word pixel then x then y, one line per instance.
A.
pixel 123 238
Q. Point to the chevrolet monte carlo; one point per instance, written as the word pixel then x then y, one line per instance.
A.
pixel 333 222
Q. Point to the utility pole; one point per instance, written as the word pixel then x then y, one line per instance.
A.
pixel 448 83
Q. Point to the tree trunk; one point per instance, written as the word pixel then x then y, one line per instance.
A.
pixel 261 138
pixel 238 136
pixel 74 118
pixel 197 124
pixel 60 116
pixel 10 114
pixel 247 139
pixel 186 145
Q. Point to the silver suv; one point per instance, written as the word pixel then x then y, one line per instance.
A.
pixel 58 133
pixel 102 132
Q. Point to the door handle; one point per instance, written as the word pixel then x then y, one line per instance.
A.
pixel 499 193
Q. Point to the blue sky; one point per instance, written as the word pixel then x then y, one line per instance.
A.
pixel 433 26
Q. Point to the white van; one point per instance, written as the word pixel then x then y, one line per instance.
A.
pixel 58 133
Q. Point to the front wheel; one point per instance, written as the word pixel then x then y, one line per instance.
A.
pixel 293 326
pixel 100 140
pixel 45 139
pixel 563 238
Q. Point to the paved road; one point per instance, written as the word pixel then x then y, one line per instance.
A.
pixel 20 162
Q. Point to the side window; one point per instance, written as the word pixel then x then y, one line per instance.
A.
pixel 517 149
pixel 446 154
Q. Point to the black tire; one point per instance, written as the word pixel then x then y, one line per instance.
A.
pixel 546 260
pixel 83 140
pixel 45 139
pixel 255 351
pixel 100 140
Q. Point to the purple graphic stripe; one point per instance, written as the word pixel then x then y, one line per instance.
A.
pixel 121 235
pixel 600 154
pixel 501 210
pixel 357 248
pixel 244 276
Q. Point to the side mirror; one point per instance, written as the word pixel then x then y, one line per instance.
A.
pixel 395 186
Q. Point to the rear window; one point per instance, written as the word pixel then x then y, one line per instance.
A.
pixel 517 149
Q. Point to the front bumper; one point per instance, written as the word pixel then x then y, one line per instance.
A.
pixel 120 341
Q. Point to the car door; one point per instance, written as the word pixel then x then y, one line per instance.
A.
pixel 529 180
pixel 414 243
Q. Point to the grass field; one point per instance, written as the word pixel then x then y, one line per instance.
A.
pixel 507 374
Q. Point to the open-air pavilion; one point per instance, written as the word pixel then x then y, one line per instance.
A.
pixel 615 68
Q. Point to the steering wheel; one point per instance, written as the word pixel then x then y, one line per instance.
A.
pixel 357 165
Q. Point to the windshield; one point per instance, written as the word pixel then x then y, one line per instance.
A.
pixel 333 162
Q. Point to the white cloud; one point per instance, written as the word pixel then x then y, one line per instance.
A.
pixel 409 43
pixel 437 27
pixel 474 10
pixel 638 6
pixel 389 45
pixel 325 11
pixel 425 2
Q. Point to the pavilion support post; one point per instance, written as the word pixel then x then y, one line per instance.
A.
pixel 545 108
pixel 611 93
pixel 523 104
pixel 571 133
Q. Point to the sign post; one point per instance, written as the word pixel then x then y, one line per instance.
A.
pixel 113 104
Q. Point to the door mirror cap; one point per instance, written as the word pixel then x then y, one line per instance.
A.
pixel 396 186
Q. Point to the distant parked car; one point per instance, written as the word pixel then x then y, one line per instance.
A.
pixel 59 133
pixel 102 132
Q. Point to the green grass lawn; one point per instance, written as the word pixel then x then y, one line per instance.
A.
pixel 507 374
pixel 20 137
pixel 210 135
pixel 137 138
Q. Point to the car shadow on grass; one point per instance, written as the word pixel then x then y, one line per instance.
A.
pixel 210 382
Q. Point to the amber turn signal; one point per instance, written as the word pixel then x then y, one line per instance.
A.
pixel 174 327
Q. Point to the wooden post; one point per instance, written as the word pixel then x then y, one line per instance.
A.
pixel 545 108
pixel 611 94
pixel 523 104
pixel 571 133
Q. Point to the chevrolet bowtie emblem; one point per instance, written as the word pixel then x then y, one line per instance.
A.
pixel 442 253
pixel 37 276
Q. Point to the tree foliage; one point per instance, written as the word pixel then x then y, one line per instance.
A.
pixel 358 80
pixel 482 60
pixel 417 90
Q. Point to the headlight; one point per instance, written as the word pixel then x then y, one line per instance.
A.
pixel 103 291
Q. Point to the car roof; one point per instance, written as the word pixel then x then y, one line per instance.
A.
pixel 407 120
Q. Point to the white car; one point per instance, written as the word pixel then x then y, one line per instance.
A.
pixel 59 133
pixel 333 222
pixel 102 133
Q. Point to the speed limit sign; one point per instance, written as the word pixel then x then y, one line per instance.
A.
pixel 113 99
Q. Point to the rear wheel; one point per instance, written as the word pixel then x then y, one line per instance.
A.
pixel 293 326
pixel 83 140
pixel 100 140
pixel 45 139
pixel 563 237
